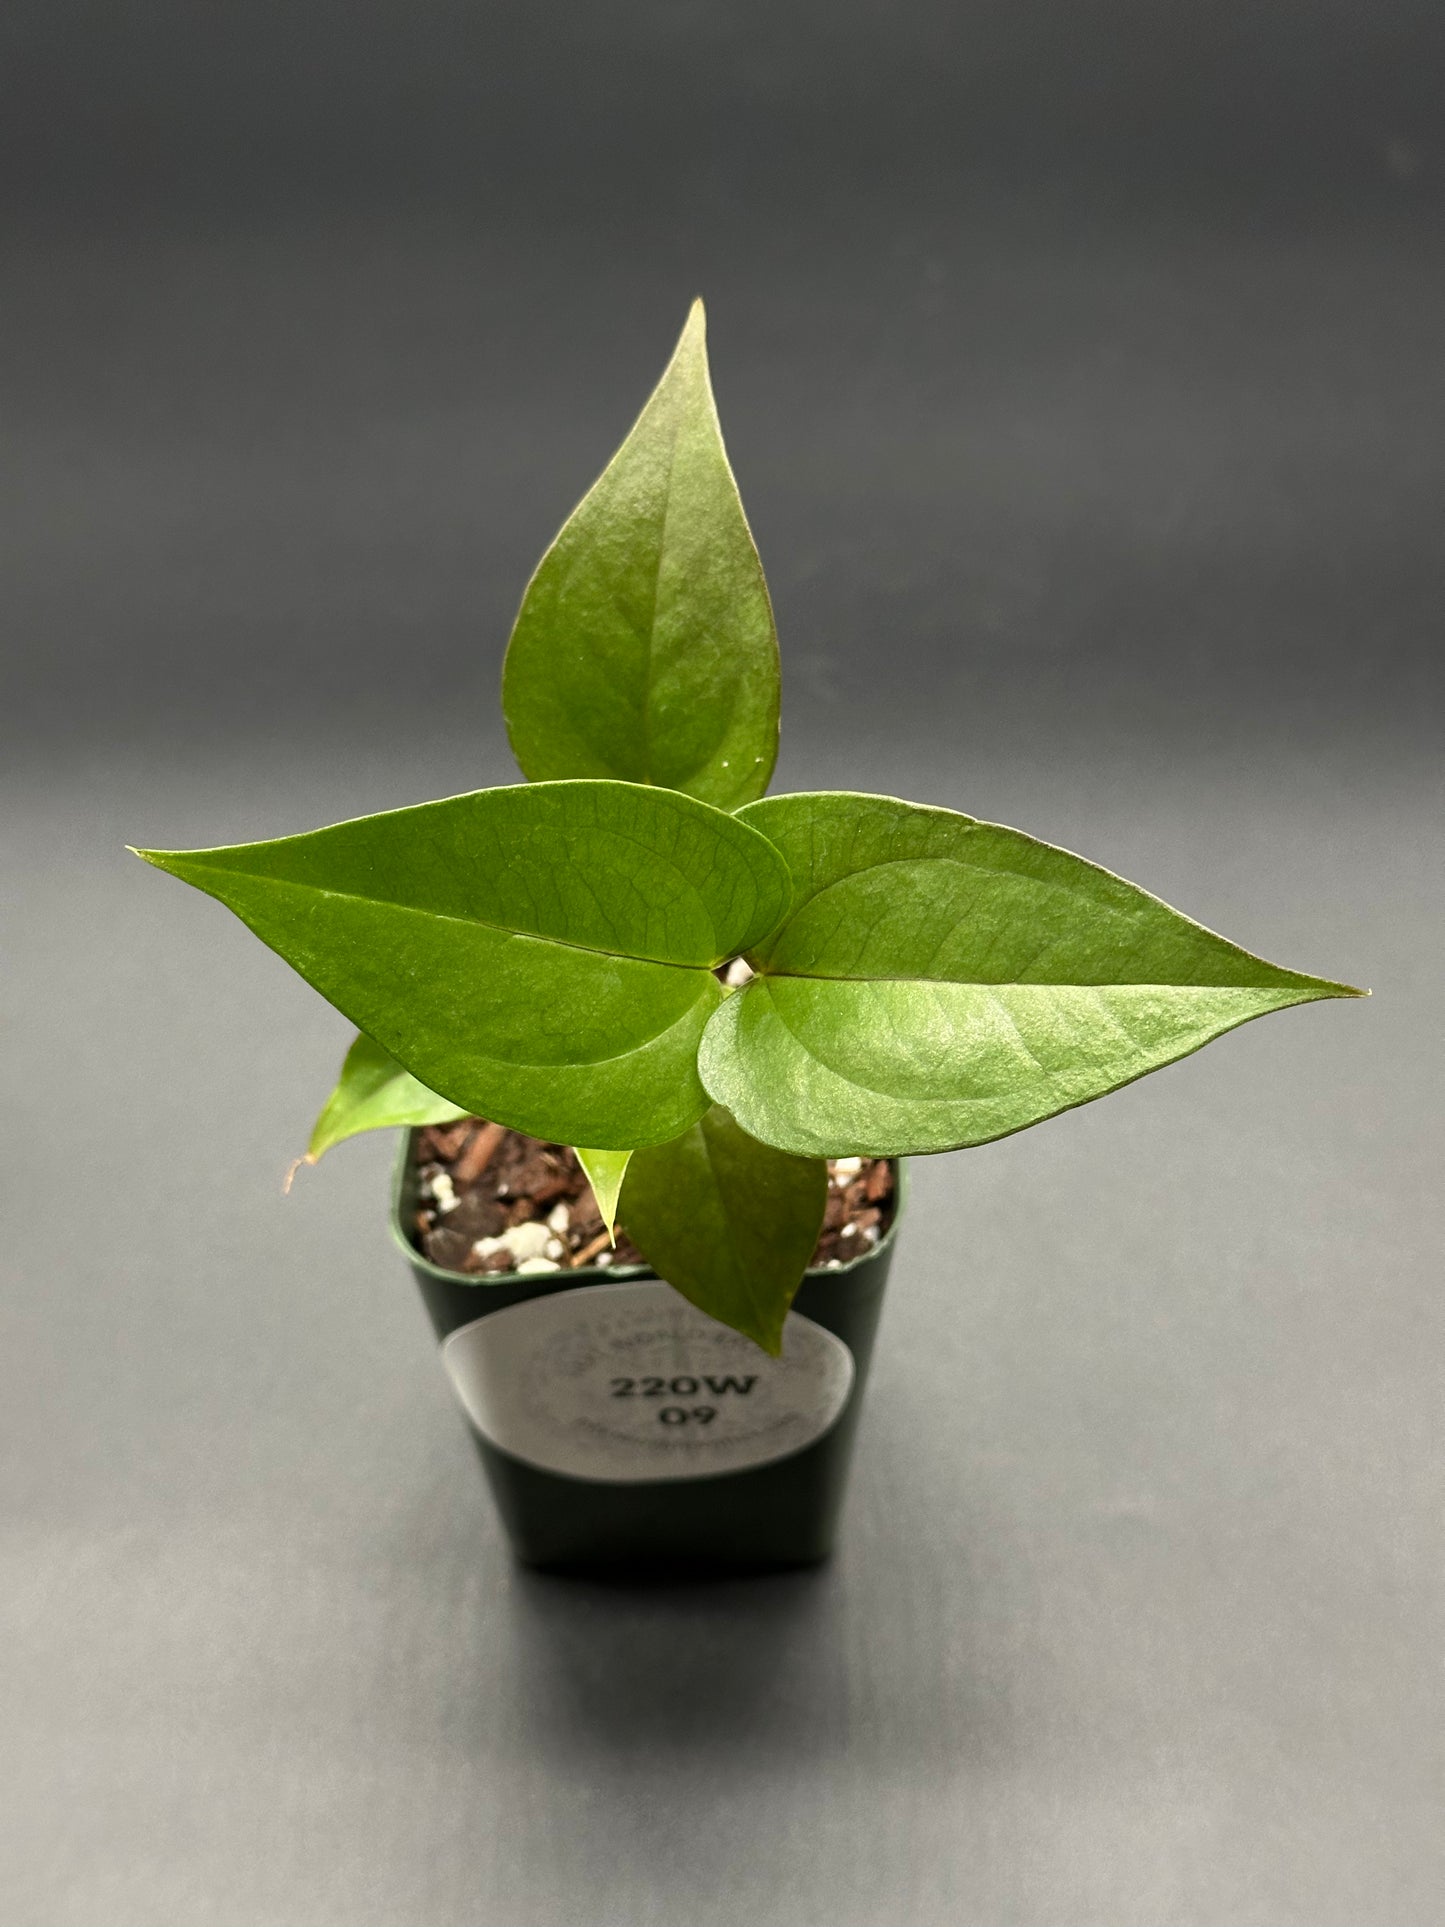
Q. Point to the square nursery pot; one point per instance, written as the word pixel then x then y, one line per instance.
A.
pixel 621 1429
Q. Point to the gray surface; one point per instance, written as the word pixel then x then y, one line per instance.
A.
pixel 1137 1619
pixel 1080 364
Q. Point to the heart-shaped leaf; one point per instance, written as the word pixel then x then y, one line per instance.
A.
pixel 373 1092
pixel 728 1222
pixel 940 982
pixel 541 954
pixel 645 647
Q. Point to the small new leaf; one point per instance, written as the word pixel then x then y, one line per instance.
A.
pixel 645 646
pixel 728 1222
pixel 372 1092
pixel 605 1172
pixel 940 982
pixel 540 954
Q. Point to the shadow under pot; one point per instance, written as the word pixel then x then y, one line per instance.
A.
pixel 621 1429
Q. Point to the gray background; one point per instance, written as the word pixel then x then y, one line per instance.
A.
pixel 1082 367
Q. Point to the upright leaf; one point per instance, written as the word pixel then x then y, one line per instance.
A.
pixel 645 646
pixel 541 955
pixel 372 1092
pixel 605 1172
pixel 728 1222
pixel 941 981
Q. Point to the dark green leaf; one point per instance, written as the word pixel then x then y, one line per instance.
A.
pixel 373 1092
pixel 541 954
pixel 941 981
pixel 729 1222
pixel 645 646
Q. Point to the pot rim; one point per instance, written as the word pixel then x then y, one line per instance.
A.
pixel 598 1274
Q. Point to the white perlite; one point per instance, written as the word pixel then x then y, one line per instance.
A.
pixel 443 1192
pixel 519 1241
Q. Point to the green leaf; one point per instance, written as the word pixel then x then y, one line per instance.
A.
pixel 541 954
pixel 645 646
pixel 373 1092
pixel 605 1172
pixel 728 1222
pixel 940 982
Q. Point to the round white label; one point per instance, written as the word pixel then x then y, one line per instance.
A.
pixel 628 1382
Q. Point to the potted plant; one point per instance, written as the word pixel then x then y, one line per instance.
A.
pixel 660 1040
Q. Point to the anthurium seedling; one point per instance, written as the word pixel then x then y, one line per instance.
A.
pixel 551 955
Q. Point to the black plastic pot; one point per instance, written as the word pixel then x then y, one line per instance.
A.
pixel 620 1429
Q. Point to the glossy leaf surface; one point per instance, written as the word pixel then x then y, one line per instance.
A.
pixel 941 981
pixel 540 954
pixel 729 1222
pixel 645 646
pixel 605 1172
pixel 373 1092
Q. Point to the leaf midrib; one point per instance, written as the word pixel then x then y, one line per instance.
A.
pixel 1129 913
pixel 1299 992
pixel 742 1268
pixel 681 777
pixel 993 1098
pixel 645 718
pixel 445 916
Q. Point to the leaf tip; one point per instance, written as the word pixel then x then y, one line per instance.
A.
pixel 1329 989
pixel 691 347
pixel 308 1157
pixel 770 1341
pixel 171 861
pixel 604 1171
